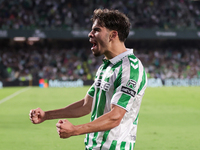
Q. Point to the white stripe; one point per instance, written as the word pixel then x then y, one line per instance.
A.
pixel 140 75
pixel 140 79
pixel 144 87
pixel 126 70
pixel 106 145
pixel 90 143
pixel 13 95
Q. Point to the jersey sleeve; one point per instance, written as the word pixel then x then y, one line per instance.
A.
pixel 91 91
pixel 128 83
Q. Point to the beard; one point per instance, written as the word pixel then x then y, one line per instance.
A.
pixel 97 53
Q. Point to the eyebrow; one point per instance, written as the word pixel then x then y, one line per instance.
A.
pixel 96 28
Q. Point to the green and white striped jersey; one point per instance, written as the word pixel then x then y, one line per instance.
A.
pixel 120 81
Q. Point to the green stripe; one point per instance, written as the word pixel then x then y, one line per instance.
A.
pixel 97 93
pixel 98 110
pixel 96 98
pixel 133 145
pixel 143 81
pixel 104 138
pixel 102 104
pixel 92 118
pixel 134 73
pixel 123 100
pixel 87 137
pixel 122 146
pixel 118 80
pixel 91 90
pixel 113 145
pixel 102 101
pixel 95 106
pixel 135 122
pixel 130 148
pixel 94 140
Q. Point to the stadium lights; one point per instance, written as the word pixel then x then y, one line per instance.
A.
pixel 19 39
pixel 33 39
pixel 22 39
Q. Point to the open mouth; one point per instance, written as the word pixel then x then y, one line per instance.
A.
pixel 94 45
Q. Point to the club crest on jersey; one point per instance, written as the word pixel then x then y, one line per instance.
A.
pixel 109 74
pixel 131 83
pixel 128 91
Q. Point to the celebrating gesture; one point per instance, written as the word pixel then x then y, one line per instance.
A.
pixel 114 98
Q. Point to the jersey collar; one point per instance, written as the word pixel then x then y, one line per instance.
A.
pixel 120 56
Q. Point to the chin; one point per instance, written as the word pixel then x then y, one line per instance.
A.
pixel 97 54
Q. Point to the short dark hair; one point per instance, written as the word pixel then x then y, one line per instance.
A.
pixel 113 20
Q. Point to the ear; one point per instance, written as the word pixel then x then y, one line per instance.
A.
pixel 113 35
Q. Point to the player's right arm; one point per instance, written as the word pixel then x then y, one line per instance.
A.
pixel 74 110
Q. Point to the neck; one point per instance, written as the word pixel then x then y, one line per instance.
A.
pixel 115 49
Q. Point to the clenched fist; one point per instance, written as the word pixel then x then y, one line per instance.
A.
pixel 37 116
pixel 65 129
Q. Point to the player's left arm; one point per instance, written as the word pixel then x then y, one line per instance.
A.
pixel 105 122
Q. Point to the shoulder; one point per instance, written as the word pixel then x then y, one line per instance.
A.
pixel 131 66
pixel 130 60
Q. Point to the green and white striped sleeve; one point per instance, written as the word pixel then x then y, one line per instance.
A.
pixel 131 77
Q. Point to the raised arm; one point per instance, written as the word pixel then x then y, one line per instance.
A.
pixel 74 110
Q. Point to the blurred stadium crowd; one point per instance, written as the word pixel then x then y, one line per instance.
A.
pixel 53 61
pixel 76 14
pixel 35 62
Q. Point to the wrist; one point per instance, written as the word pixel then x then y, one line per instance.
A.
pixel 77 130
pixel 46 116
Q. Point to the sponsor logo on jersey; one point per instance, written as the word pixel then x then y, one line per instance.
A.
pixel 134 66
pixel 102 85
pixel 128 91
pixel 98 83
pixel 134 60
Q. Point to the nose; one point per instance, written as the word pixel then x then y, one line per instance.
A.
pixel 90 35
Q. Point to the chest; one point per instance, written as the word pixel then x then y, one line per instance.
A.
pixel 105 78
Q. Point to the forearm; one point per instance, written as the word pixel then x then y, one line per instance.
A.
pixel 96 126
pixel 103 123
pixel 74 110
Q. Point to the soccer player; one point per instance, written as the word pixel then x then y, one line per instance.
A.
pixel 115 97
